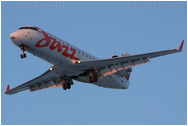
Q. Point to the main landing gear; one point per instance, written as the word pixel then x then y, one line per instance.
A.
pixel 23 55
pixel 67 82
pixel 93 76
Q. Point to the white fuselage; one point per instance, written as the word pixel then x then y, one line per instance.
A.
pixel 62 55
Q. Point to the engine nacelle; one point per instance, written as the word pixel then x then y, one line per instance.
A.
pixel 125 54
pixel 114 56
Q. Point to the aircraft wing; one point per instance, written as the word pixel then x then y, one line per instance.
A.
pixel 48 79
pixel 109 66
pixel 104 67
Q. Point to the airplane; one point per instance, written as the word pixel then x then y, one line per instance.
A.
pixel 71 63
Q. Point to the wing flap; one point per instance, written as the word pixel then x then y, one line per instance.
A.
pixel 120 66
pixel 112 65
pixel 41 86
pixel 41 82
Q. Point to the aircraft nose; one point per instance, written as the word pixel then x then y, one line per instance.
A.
pixel 15 38
pixel 12 37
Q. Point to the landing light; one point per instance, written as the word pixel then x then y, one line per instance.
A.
pixel 77 62
pixel 51 69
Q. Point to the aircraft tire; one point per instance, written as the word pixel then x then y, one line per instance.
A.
pixel 68 85
pixel 90 79
pixel 95 79
pixel 64 87
pixel 21 56
pixel 24 55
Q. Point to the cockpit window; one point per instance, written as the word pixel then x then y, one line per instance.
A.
pixel 33 28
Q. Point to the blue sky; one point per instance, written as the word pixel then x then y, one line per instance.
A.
pixel 157 92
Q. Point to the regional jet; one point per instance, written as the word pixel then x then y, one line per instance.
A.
pixel 71 63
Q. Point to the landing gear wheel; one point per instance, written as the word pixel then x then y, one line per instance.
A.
pixel 90 79
pixel 64 87
pixel 23 55
pixel 68 85
pixel 67 82
pixel 95 78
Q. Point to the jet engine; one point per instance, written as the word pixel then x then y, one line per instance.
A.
pixel 125 54
pixel 114 56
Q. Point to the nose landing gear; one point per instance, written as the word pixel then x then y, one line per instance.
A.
pixel 23 55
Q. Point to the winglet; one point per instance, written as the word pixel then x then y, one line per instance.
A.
pixel 7 88
pixel 181 46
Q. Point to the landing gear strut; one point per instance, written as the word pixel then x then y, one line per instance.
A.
pixel 93 76
pixel 67 82
pixel 23 55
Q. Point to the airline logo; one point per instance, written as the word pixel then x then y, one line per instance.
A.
pixel 63 49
